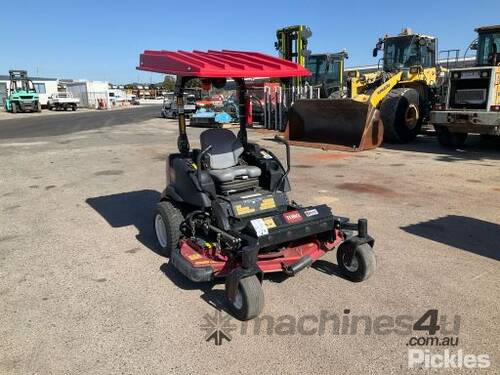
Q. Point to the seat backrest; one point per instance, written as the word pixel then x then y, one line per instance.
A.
pixel 226 148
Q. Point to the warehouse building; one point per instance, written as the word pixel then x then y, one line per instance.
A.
pixel 89 92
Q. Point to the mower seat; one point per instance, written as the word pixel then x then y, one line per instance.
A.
pixel 230 174
pixel 225 167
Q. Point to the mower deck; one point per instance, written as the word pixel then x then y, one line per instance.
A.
pixel 195 262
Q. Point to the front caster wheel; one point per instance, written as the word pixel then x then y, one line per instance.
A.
pixel 249 300
pixel 362 265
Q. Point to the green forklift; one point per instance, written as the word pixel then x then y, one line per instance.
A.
pixel 22 95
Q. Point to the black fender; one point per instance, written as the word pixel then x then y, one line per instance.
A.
pixel 170 193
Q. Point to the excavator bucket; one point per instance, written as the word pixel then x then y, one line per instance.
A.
pixel 338 124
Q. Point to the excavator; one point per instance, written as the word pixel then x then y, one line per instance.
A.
pixel 389 104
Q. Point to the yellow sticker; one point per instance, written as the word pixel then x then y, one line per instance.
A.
pixel 243 210
pixel 194 256
pixel 267 203
pixel 270 224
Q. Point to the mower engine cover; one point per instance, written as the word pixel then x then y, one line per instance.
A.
pixel 233 211
pixel 269 218
pixel 292 225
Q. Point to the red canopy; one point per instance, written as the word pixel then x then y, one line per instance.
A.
pixel 219 64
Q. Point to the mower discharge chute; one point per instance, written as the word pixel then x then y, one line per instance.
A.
pixel 225 211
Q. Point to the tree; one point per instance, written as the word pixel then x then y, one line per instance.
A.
pixel 193 83
pixel 169 83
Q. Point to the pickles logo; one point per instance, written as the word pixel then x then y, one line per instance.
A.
pixel 218 327
pixel 423 358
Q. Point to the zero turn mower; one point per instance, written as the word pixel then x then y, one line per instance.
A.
pixel 225 211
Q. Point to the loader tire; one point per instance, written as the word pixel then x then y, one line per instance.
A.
pixel 401 115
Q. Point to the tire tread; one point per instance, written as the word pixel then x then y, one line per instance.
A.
pixel 173 218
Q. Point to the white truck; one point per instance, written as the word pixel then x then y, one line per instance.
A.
pixel 62 100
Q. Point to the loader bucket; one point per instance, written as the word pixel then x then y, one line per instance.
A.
pixel 339 124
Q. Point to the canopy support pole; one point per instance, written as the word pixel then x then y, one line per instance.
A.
pixel 182 139
pixel 242 113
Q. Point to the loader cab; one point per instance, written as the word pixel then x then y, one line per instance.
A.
pixel 488 46
pixel 405 51
pixel 326 71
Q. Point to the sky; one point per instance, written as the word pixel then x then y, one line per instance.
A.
pixel 102 40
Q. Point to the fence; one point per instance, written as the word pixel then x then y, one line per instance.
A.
pixel 278 100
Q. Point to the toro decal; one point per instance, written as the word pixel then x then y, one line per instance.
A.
pixel 292 217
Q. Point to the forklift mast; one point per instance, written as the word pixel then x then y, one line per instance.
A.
pixel 292 45
pixel 19 81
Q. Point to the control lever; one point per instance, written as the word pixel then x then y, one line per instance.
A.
pixel 282 140
pixel 198 162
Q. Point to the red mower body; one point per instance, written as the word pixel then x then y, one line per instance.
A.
pixel 202 255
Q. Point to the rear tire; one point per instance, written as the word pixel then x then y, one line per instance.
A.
pixel 73 107
pixel 167 221
pixel 38 107
pixel 362 266
pixel 401 115
pixel 249 300
pixel 13 107
pixel 449 139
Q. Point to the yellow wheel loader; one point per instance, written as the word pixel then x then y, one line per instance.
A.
pixel 389 104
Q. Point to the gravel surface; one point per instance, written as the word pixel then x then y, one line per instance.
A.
pixel 83 290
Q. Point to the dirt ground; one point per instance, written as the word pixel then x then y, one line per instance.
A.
pixel 83 291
